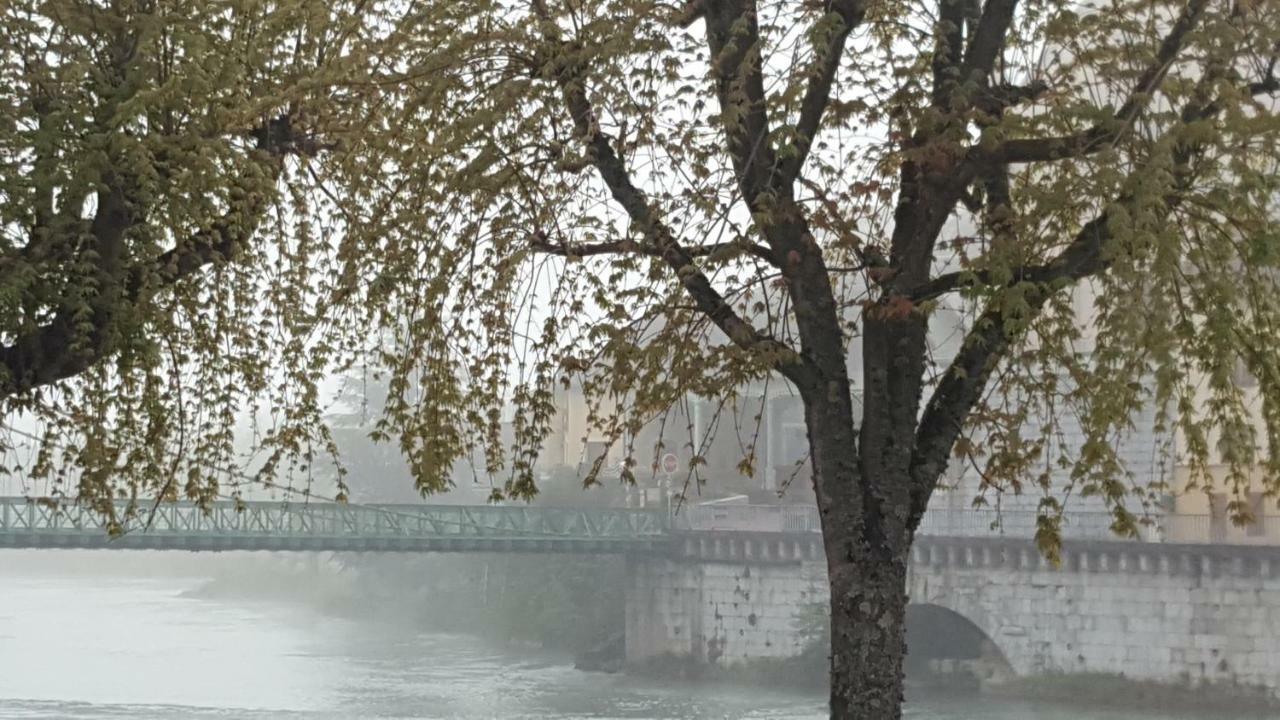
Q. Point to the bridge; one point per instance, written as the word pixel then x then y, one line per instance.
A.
pixel 1187 602
pixel 325 526
pixel 708 531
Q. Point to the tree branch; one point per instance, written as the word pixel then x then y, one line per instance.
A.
pixel 540 243
pixel 690 12
pixel 79 337
pixel 218 245
pixel 76 339
pixel 950 282
pixel 1269 84
pixel 843 17
pixel 996 100
pixel 989 37
pixel 1101 135
pixel 966 378
pixel 949 54
pixel 733 38
pixel 616 176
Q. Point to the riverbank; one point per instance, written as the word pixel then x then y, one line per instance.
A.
pixel 102 647
pixel 1098 692
pixel 575 609
pixel 1120 693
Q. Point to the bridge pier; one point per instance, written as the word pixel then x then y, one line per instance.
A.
pixel 727 600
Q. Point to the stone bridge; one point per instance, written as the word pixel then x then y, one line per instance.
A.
pixel 1166 612
pixel 1178 613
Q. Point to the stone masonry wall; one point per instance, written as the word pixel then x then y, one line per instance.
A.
pixel 719 612
pixel 1165 613
pixel 1179 614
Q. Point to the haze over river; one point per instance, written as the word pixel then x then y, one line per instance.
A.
pixel 126 644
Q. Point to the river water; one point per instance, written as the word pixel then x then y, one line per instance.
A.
pixel 131 645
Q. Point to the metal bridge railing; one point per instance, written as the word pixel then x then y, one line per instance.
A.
pixel 27 517
pixel 332 519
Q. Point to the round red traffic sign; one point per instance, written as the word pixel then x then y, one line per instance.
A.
pixel 670 463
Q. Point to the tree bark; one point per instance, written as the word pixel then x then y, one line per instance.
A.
pixel 868 642
pixel 866 565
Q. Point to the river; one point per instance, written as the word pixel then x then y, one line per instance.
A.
pixel 126 644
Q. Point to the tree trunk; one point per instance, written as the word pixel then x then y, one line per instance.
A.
pixel 868 610
pixel 866 543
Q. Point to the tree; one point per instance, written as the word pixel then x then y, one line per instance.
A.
pixel 156 267
pixel 659 201
pixel 654 201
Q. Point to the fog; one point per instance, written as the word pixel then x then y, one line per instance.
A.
pixel 141 634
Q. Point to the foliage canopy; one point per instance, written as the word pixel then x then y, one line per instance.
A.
pixel 898 205
pixel 208 206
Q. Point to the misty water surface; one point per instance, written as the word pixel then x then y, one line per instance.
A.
pixel 123 645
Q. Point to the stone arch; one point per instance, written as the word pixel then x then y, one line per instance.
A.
pixel 995 608
pixel 944 646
